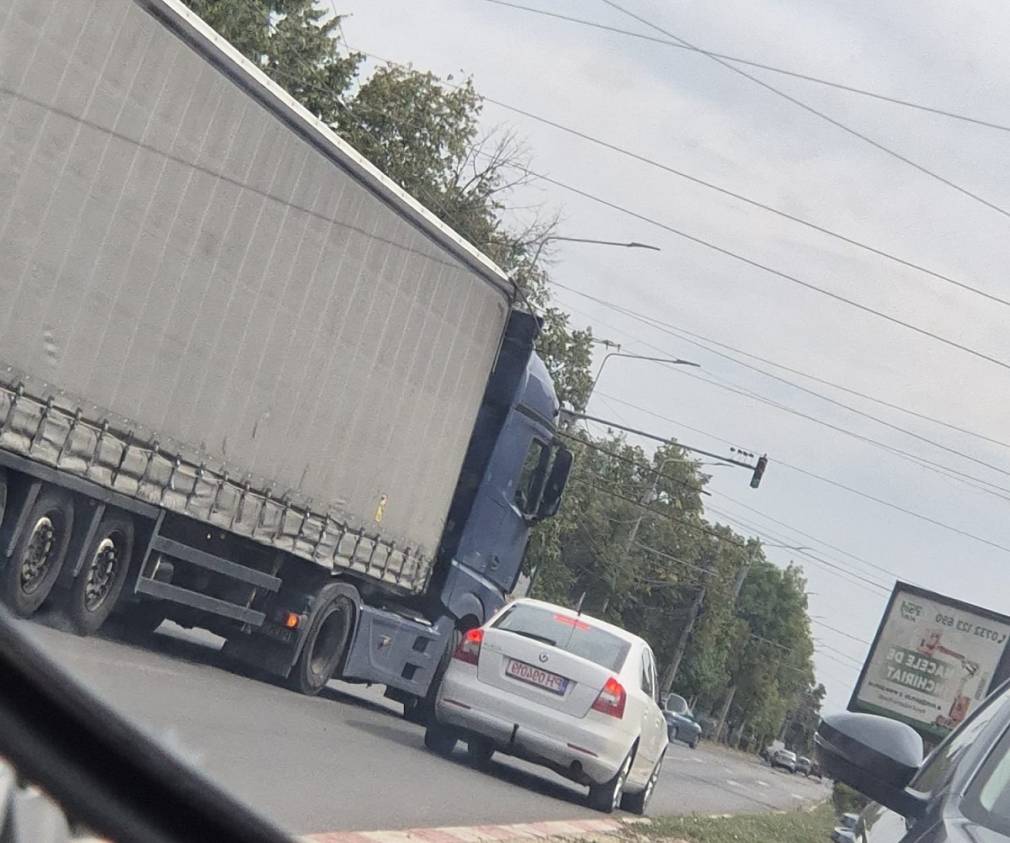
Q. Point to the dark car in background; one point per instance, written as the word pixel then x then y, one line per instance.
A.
pixel 681 724
pixel 959 794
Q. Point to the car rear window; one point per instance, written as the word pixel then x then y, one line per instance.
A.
pixel 577 636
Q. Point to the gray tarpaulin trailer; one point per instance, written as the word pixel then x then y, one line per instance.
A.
pixel 214 306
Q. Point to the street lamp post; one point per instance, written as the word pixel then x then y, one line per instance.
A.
pixel 670 361
pixel 633 244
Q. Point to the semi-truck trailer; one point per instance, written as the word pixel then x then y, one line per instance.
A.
pixel 247 383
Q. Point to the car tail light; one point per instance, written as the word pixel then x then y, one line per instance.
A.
pixel 611 699
pixel 469 648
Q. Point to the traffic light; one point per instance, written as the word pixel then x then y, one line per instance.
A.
pixel 759 471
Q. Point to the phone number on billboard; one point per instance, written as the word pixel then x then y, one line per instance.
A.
pixel 968 626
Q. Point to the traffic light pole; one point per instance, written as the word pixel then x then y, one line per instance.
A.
pixel 758 467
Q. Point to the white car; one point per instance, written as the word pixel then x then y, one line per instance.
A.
pixel 785 759
pixel 560 689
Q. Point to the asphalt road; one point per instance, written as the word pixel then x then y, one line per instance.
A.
pixel 346 761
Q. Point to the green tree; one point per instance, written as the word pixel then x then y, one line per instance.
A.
pixel 294 42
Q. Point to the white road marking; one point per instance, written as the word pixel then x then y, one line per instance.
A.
pixel 762 783
pixel 733 783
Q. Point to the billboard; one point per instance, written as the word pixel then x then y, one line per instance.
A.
pixel 933 660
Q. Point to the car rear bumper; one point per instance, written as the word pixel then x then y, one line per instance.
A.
pixel 575 747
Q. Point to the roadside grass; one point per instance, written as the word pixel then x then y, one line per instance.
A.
pixel 802 826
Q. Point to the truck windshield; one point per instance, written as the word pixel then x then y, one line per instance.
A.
pixel 577 636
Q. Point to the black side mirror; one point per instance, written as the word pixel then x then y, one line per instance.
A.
pixel 875 755
pixel 550 501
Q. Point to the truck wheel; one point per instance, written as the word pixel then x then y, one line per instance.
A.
pixel 440 739
pixel 97 587
pixel 324 647
pixel 38 555
pixel 607 796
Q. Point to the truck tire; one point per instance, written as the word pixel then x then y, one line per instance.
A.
pixel 39 553
pixel 324 646
pixel 99 583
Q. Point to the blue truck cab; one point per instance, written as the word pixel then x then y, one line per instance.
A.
pixel 513 475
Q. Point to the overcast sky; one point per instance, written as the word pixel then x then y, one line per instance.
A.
pixel 688 112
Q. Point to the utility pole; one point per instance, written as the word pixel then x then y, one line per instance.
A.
pixel 629 543
pixel 741 575
pixel 685 635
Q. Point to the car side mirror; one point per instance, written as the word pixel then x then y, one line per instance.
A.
pixel 875 755
pixel 550 501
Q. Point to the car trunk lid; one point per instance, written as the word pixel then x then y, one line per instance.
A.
pixel 550 659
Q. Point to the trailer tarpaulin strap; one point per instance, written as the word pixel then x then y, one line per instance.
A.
pixel 63 438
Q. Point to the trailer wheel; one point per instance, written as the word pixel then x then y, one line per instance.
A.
pixel 97 587
pixel 39 553
pixel 324 646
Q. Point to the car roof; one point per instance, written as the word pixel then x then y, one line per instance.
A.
pixel 571 613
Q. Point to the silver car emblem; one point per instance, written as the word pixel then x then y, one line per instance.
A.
pixel 543 657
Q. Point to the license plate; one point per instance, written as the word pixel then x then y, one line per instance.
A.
pixel 536 676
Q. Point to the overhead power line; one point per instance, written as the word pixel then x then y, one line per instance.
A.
pixel 664 328
pixel 643 466
pixel 682 333
pixel 621 150
pixel 978 483
pixel 986 486
pixel 760 66
pixel 708 244
pixel 813 475
pixel 811 537
pixel 839 570
pixel 820 114
pixel 891 505
pixel 841 632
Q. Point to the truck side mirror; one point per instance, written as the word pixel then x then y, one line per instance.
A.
pixel 875 755
pixel 550 501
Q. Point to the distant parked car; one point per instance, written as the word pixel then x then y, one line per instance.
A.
pixel 803 765
pixel 681 724
pixel 845 831
pixel 784 758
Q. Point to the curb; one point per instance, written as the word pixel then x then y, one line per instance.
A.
pixel 569 829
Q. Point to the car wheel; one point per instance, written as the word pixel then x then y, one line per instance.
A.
pixel 479 752
pixel 694 743
pixel 39 553
pixel 637 803
pixel 607 796
pixel 439 739
pixel 94 593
